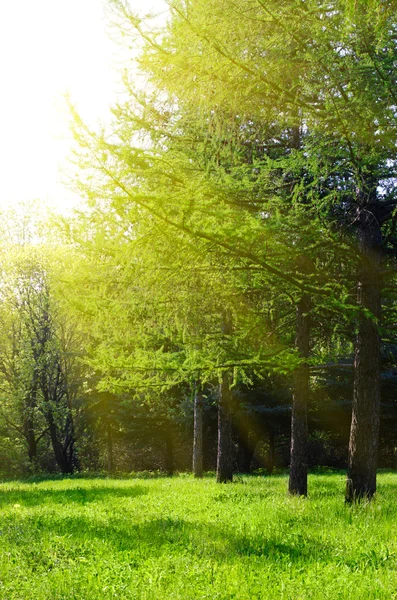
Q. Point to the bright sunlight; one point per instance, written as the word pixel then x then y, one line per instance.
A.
pixel 49 48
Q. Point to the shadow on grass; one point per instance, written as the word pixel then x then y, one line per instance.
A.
pixel 167 536
pixel 77 495
pixel 87 476
pixel 136 536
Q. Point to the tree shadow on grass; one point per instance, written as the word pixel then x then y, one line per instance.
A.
pixel 159 537
pixel 77 495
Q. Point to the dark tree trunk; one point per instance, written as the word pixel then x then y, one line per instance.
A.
pixel 63 456
pixel 210 443
pixel 28 426
pixel 270 464
pixel 246 451
pixel 169 452
pixel 198 433
pixel 301 379
pixel 63 450
pixel 30 439
pixel 224 466
pixel 247 439
pixel 110 447
pixel 364 432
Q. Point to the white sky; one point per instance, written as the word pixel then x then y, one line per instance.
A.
pixel 47 48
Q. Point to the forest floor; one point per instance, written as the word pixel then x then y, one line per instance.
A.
pixel 155 538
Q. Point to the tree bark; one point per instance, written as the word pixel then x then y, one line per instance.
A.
pixel 63 455
pixel 301 383
pixel 271 454
pixel 110 447
pixel 63 448
pixel 169 452
pixel 28 426
pixel 224 467
pixel 30 438
pixel 364 432
pixel 246 451
pixel 198 433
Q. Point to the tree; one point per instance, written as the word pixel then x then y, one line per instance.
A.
pixel 19 385
pixel 147 338
pixel 41 376
pixel 198 432
pixel 330 75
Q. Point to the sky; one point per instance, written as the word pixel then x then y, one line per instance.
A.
pixel 49 48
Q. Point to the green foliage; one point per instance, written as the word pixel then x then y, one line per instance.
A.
pixel 215 199
pixel 41 375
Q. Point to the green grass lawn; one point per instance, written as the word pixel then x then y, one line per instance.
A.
pixel 181 538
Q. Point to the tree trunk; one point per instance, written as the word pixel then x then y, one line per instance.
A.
pixel 364 432
pixel 198 433
pixel 271 454
pixel 246 451
pixel 301 380
pixel 169 452
pixel 110 447
pixel 63 457
pixel 63 451
pixel 224 467
pixel 30 439
pixel 31 403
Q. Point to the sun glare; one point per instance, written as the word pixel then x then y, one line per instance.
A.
pixel 49 48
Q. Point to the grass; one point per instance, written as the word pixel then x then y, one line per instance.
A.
pixel 181 538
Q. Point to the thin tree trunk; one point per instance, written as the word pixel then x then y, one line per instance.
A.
pixel 301 383
pixel 110 447
pixel 31 403
pixel 169 452
pixel 271 454
pixel 198 433
pixel 30 439
pixel 224 467
pixel 364 432
pixel 246 451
